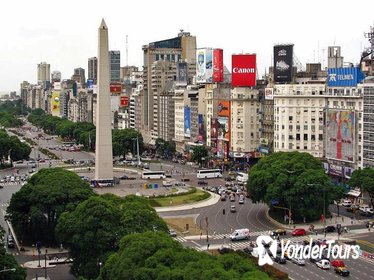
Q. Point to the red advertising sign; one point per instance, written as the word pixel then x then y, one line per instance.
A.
pixel 115 88
pixel 218 65
pixel 124 101
pixel 243 70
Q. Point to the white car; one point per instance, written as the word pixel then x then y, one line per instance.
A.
pixel 323 264
pixel 347 203
pixel 298 261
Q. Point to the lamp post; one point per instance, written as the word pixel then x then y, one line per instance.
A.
pixel 45 264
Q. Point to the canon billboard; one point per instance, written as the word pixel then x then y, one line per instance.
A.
pixel 283 57
pixel 243 70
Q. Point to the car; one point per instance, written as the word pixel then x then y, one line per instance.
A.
pixel 202 183
pixel 353 208
pixel 366 211
pixel 279 231
pixel 185 179
pixel 298 232
pixel 232 209
pixel 298 261
pixel 240 234
pixel 224 249
pixel 248 250
pixel 241 200
pixel 329 229
pixel 172 233
pixel 10 241
pixel 124 177
pixel 1 186
pixel 232 198
pixel 337 263
pixel 323 264
pixel 370 223
pixel 342 270
pixel 279 259
pixel 223 197
pixel 346 203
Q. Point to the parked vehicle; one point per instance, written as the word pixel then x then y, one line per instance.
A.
pixel 330 228
pixel 337 263
pixel 279 231
pixel 343 271
pixel 298 261
pixel 346 203
pixel 280 260
pixel 232 209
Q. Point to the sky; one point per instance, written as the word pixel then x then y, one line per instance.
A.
pixel 64 33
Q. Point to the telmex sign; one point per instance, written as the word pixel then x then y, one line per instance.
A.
pixel 344 77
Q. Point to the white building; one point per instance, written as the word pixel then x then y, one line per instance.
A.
pixel 245 121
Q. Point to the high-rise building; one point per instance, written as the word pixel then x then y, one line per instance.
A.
pixel 92 69
pixel 56 76
pixel 115 66
pixel 79 76
pixel 334 58
pixel 368 127
pixel 44 72
pixel 181 48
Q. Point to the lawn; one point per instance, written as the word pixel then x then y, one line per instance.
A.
pixel 176 200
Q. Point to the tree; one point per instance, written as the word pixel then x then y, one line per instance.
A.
pixel 102 221
pixel 124 141
pixel 36 207
pixel 11 145
pixel 364 180
pixel 154 255
pixel 199 154
pixel 9 262
pixel 166 148
pixel 295 181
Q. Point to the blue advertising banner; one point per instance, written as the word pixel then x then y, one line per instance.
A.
pixel 90 84
pixel 344 77
pixel 187 121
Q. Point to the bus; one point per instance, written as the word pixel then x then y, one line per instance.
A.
pixel 209 173
pixel 153 175
pixel 241 177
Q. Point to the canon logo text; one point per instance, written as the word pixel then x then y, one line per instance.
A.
pixel 243 70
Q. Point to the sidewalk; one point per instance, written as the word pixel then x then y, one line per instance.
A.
pixel 210 201
pixel 318 225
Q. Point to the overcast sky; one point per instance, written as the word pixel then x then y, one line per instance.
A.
pixel 64 33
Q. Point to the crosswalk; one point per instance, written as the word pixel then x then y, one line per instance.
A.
pixel 12 183
pixel 4 204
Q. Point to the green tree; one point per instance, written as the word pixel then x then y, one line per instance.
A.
pixel 291 180
pixel 364 180
pixel 11 145
pixel 9 262
pixel 199 154
pixel 154 255
pixel 166 148
pixel 124 141
pixel 102 221
pixel 36 207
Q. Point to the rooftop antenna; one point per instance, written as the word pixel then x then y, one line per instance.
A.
pixel 127 50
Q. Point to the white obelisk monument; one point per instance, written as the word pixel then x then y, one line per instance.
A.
pixel 104 157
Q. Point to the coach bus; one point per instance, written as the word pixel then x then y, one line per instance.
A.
pixel 209 173
pixel 153 174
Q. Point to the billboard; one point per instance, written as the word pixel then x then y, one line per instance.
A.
pixel 116 88
pixel 90 83
pixel 213 129
pixel 269 94
pixel 223 108
pixel 187 121
pixel 218 65
pixel 201 127
pixel 223 128
pixel 204 67
pixel 55 103
pixel 340 134
pixel 124 101
pixel 283 58
pixel 181 79
pixel 243 70
pixel 344 77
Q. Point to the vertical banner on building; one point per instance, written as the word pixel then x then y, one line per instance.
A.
pixel 340 134
pixel 200 66
pixel 209 65
pixel 213 129
pixel 283 61
pixel 55 103
pixel 90 83
pixel 223 109
pixel 201 128
pixel 269 94
pixel 223 128
pixel 243 72
pixel 181 79
pixel 218 65
pixel 124 101
pixel 187 121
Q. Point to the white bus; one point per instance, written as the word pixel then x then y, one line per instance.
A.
pixel 153 175
pixel 209 173
pixel 241 177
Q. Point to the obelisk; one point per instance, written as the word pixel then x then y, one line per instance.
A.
pixel 103 156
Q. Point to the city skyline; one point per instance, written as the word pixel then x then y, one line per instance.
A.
pixel 40 32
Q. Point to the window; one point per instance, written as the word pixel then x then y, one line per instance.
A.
pixel 305 136
pixel 305 147
pixel 298 136
pixel 320 137
pixel 290 118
